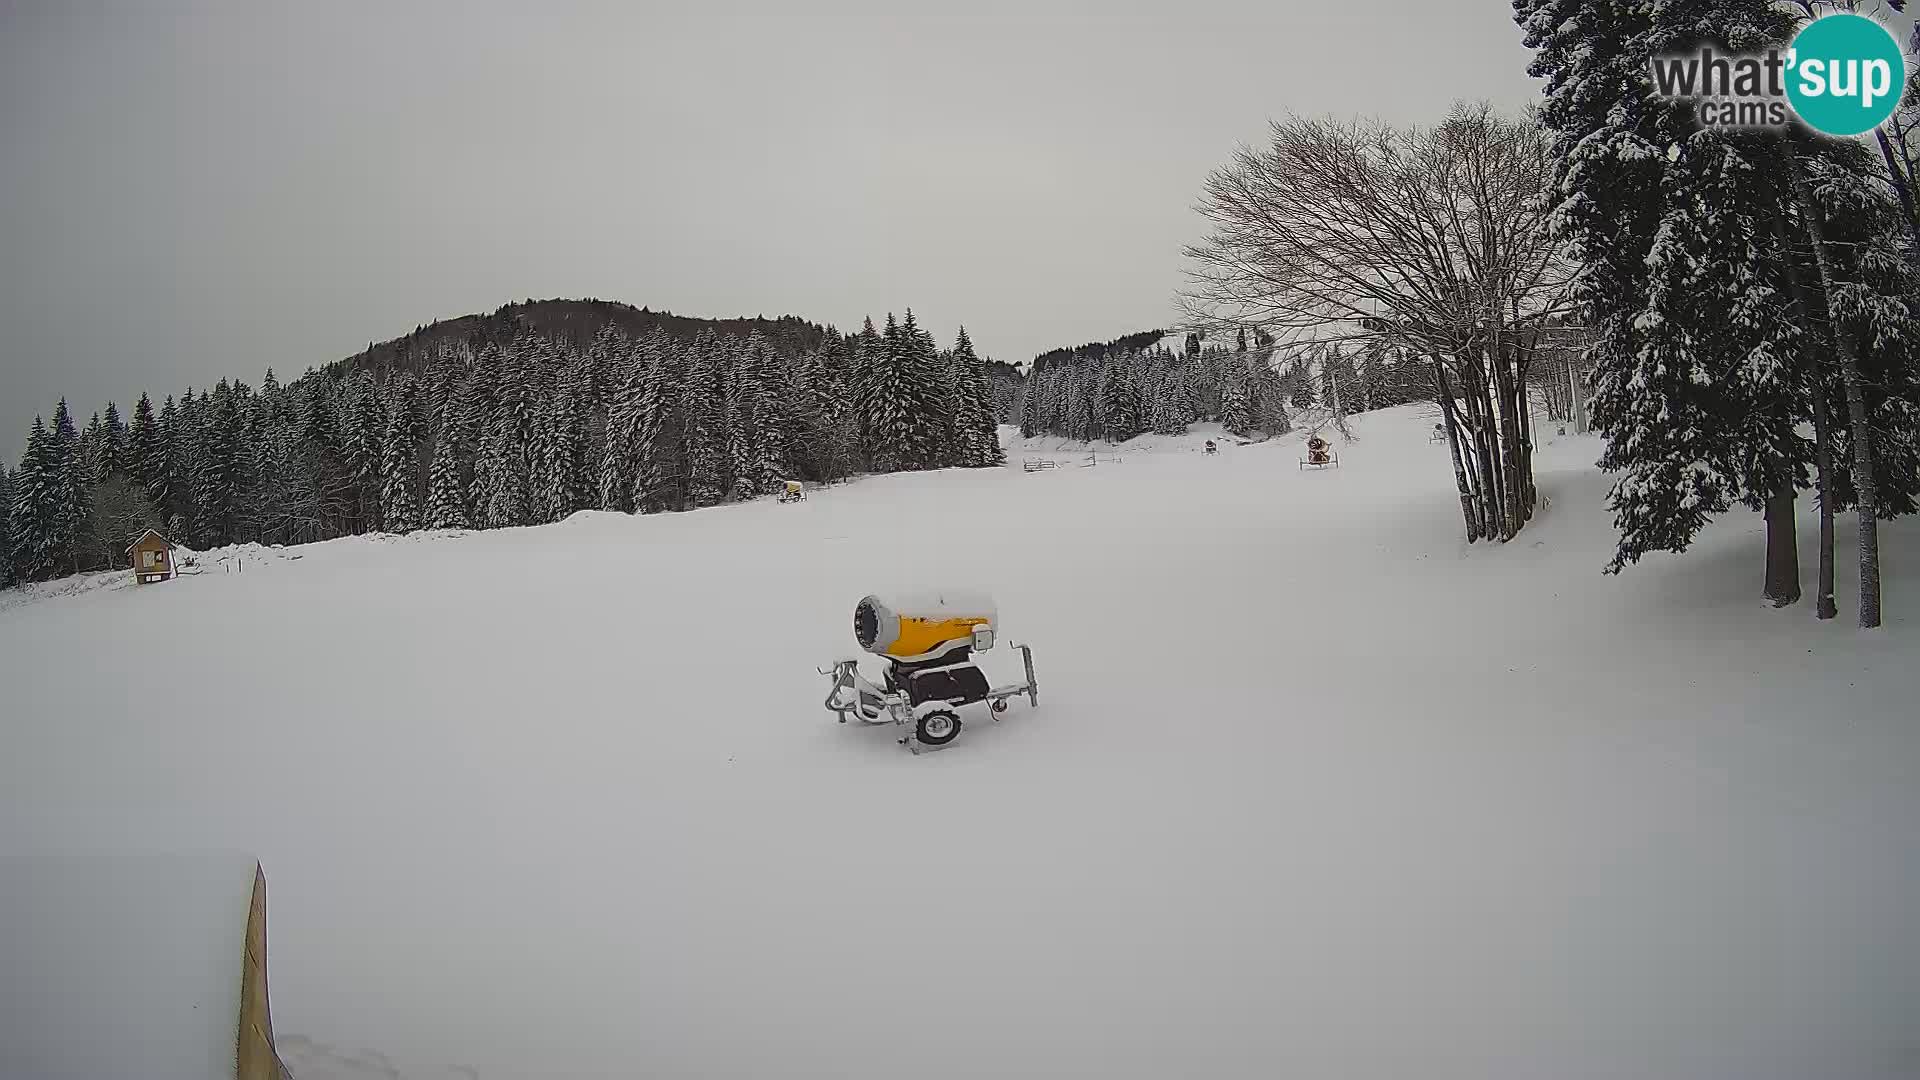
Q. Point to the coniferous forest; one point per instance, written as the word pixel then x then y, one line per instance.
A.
pixel 513 419
pixel 1133 385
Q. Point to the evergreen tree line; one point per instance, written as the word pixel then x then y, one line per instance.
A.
pixel 1751 295
pixel 516 433
pixel 1110 394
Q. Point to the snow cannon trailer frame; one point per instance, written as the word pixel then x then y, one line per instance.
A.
pixel 929 646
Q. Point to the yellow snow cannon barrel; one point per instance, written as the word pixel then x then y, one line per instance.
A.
pixel 924 626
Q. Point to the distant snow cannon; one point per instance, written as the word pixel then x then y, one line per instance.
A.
pixel 928 641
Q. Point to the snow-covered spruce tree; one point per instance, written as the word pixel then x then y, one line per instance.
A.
pixel 764 389
pixel 93 450
pixel 1199 398
pixel 1084 407
pixel 736 426
pixel 1239 406
pixel 1070 401
pixel 619 454
pixel 473 404
pixel 328 493
pixel 957 424
pixel 218 479
pixel 809 387
pixel 887 399
pixel 446 488
pixel 793 443
pixel 7 575
pixel 754 415
pixel 110 449
pixel 658 431
pixel 1034 412
pixel 578 471
pixel 544 464
pixel 977 424
pixel 1047 399
pixel 1118 397
pixel 500 482
pixel 918 380
pixel 167 489
pixel 261 463
pixel 362 424
pixel 33 519
pixel 189 445
pixel 1167 412
pixel 72 504
pixel 1702 413
pixel 866 351
pixel 703 419
pixel 400 508
pixel 949 424
pixel 439 386
pixel 144 454
pixel 1372 377
pixel 833 419
pixel 559 455
pixel 502 494
pixel 1301 388
pixel 1269 398
pixel 1672 227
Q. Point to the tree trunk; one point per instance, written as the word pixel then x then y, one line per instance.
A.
pixel 1445 394
pixel 1900 133
pixel 1475 430
pixel 1862 436
pixel 1823 605
pixel 1511 494
pixel 1492 468
pixel 1523 455
pixel 1522 435
pixel 1483 446
pixel 1580 426
pixel 1783 551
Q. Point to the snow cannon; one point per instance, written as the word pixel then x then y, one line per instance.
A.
pixel 928 641
pixel 915 628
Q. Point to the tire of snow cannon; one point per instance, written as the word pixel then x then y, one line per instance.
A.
pixel 951 727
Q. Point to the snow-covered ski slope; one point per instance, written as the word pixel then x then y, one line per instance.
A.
pixel 1313 789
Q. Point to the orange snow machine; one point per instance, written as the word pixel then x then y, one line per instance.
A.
pixel 928 641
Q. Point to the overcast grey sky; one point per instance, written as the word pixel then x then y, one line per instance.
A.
pixel 194 190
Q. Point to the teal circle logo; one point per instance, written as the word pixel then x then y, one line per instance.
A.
pixel 1845 74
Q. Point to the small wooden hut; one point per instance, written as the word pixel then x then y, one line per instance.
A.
pixel 151 557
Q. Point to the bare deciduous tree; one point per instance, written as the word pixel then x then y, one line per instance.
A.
pixel 1431 240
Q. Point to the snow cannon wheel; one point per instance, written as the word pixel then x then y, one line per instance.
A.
pixel 999 705
pixel 938 727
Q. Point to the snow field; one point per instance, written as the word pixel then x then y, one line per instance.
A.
pixel 1313 789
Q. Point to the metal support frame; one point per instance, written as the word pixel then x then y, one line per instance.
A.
pixel 852 695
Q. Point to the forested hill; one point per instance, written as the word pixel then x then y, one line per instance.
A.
pixel 573 323
pixel 522 417
pixel 1098 349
